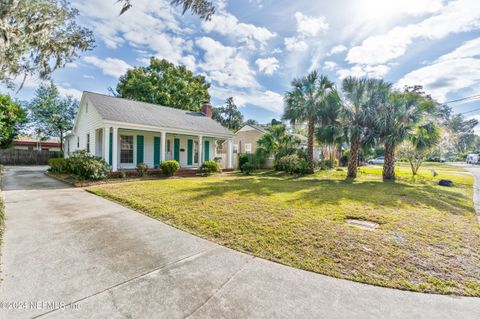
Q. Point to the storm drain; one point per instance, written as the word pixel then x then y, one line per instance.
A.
pixel 363 224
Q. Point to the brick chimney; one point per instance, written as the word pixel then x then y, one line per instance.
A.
pixel 207 109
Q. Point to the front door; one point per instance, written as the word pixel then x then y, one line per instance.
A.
pixel 176 149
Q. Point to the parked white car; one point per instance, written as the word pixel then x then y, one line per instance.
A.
pixel 377 161
pixel 472 158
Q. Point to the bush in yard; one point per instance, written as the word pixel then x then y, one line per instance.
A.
pixel 247 168
pixel 242 159
pixel 169 167
pixel 329 164
pixel 292 164
pixel 210 167
pixel 87 167
pixel 142 169
pixel 343 161
pixel 57 165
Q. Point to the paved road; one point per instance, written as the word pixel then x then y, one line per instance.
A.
pixel 63 245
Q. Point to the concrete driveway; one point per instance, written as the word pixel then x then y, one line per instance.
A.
pixel 70 254
pixel 475 170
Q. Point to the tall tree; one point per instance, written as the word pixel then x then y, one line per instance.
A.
pixel 12 117
pixel 357 114
pixel 229 115
pixel 51 114
pixel 331 131
pixel 202 8
pixel 302 104
pixel 166 84
pixel 396 120
pixel 37 37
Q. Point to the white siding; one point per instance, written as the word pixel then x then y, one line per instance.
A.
pixel 148 146
pixel 87 123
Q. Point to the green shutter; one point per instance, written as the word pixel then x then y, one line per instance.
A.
pixel 176 149
pixel 206 150
pixel 110 150
pixel 139 149
pixel 190 152
pixel 156 151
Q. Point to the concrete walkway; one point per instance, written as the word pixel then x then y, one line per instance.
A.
pixel 64 246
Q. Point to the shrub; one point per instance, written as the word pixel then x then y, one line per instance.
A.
pixel 169 167
pixel 57 165
pixel 210 167
pixel 85 166
pixel 344 158
pixel 122 173
pixel 247 168
pixel 242 159
pixel 329 164
pixel 142 169
pixel 292 164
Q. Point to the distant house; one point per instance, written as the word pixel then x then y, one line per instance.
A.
pixel 245 139
pixel 32 144
pixel 125 133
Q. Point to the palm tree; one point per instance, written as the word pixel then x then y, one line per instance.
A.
pixel 397 120
pixel 331 131
pixel 357 116
pixel 302 105
pixel 278 142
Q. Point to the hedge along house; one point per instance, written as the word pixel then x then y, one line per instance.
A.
pixel 125 133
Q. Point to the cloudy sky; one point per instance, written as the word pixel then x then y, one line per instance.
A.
pixel 252 49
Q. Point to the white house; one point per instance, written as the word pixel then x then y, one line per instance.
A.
pixel 125 133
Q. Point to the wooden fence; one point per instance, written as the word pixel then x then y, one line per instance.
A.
pixel 12 156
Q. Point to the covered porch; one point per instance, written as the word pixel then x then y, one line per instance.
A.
pixel 124 147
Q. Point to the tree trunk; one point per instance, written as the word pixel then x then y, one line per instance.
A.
pixel 61 141
pixel 311 129
pixel 353 158
pixel 389 164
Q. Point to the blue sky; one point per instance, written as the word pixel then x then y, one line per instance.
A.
pixel 252 49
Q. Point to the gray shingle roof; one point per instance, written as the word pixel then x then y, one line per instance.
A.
pixel 129 111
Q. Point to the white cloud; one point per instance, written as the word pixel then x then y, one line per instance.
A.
pixel 109 66
pixel 69 91
pixel 337 49
pixel 224 65
pixel 295 44
pixel 456 16
pixel 329 65
pixel 468 49
pixel 310 26
pixel 71 65
pixel 268 100
pixel 225 23
pixel 87 76
pixel 376 71
pixel 267 65
pixel 452 72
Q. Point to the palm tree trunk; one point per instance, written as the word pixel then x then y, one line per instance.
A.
pixel 311 129
pixel 353 158
pixel 389 164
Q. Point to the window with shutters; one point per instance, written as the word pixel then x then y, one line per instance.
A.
pixel 126 149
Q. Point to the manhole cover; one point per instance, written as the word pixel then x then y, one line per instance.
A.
pixel 363 224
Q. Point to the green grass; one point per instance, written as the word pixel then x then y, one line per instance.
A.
pixel 428 240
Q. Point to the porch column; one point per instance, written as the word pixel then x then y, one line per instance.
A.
pixel 115 149
pixel 163 146
pixel 200 150
pixel 230 154
pixel 106 143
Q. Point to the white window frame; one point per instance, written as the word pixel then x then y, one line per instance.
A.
pixel 133 148
pixel 248 148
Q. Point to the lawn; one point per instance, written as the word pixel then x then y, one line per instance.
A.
pixel 428 239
